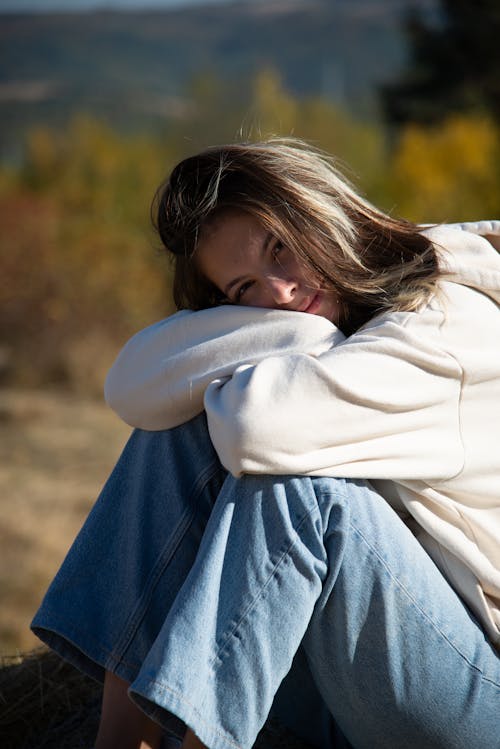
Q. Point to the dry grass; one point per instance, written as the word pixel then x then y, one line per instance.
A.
pixel 56 451
pixel 47 704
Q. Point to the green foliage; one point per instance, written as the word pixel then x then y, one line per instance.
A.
pixel 454 65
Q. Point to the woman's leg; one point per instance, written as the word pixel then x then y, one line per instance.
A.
pixel 397 657
pixel 109 600
pixel 410 664
pixel 122 724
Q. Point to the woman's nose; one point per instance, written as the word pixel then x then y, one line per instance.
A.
pixel 282 290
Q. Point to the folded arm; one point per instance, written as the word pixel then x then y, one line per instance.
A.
pixel 159 379
pixel 382 404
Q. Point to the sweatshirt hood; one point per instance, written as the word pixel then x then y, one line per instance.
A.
pixel 468 254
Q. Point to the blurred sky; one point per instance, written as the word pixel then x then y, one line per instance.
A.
pixel 77 5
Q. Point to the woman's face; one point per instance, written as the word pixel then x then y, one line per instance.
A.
pixel 250 266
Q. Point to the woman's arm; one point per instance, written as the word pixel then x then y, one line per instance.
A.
pixel 159 379
pixel 383 404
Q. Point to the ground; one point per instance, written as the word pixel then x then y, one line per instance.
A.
pixel 56 451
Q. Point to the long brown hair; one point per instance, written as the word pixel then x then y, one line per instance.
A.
pixel 374 262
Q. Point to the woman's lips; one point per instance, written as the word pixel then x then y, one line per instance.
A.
pixel 314 304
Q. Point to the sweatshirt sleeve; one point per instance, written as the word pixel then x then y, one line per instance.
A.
pixel 382 404
pixel 159 378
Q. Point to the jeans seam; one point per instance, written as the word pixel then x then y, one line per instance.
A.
pixel 59 630
pixel 137 615
pixel 419 608
pixel 223 643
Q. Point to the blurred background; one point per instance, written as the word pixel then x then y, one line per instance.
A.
pixel 98 100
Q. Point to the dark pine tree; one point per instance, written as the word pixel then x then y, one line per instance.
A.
pixel 454 65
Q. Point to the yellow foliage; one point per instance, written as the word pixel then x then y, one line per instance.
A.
pixel 273 109
pixel 90 168
pixel 359 147
pixel 448 172
pixel 78 257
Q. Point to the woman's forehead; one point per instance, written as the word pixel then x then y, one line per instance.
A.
pixel 232 228
pixel 231 242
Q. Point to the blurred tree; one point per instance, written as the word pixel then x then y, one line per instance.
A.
pixel 273 110
pixel 79 270
pixel 447 172
pixel 358 146
pixel 214 116
pixel 454 65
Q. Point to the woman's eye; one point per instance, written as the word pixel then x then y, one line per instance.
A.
pixel 277 249
pixel 241 291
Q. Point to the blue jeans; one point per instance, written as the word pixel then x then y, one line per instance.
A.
pixel 222 599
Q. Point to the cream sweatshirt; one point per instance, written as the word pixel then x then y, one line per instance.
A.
pixel 411 402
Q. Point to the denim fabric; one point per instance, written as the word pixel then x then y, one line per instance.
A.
pixel 217 597
pixel 124 570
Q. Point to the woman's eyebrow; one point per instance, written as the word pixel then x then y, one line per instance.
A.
pixel 235 281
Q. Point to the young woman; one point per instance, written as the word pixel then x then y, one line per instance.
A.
pixel 237 561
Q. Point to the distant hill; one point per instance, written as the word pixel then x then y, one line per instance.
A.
pixel 134 68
